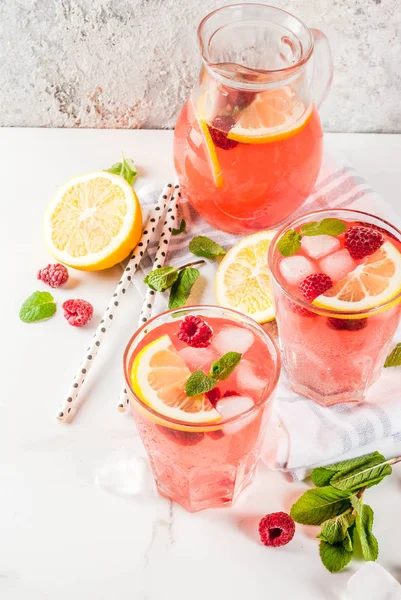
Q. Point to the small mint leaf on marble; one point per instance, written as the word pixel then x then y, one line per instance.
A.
pixel 38 307
pixel 126 169
pixel 335 530
pixel 394 358
pixel 364 524
pixel 334 556
pixel 182 287
pixel 204 246
pixel 321 476
pixel 320 504
pixel 289 243
pixel 161 279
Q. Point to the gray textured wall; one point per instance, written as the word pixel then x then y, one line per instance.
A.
pixel 119 63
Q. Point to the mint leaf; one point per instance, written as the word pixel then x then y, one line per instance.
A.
pixel 364 524
pixel 289 243
pixel 125 169
pixel 182 228
pixel 366 474
pixel 224 366
pixel 161 279
pixel 325 227
pixel 335 530
pixel 182 287
pixel 322 476
pixel 347 542
pixel 203 246
pixel 334 556
pixel 394 358
pixel 38 307
pixel 317 505
pixel 199 383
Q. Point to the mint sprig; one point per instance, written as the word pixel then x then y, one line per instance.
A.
pixel 181 229
pixel 290 242
pixel 394 358
pixel 337 505
pixel 126 169
pixel 204 246
pixel 200 382
pixel 182 287
pixel 38 307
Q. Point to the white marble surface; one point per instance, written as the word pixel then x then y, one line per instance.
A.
pixel 119 63
pixel 61 535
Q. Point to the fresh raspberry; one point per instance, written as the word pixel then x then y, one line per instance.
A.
pixel 377 228
pixel 347 324
pixel 229 393
pixel 300 310
pixel 362 241
pixel 195 332
pixel 314 285
pixel 213 396
pixel 183 438
pixel 54 275
pixel 218 130
pixel 77 312
pixel 216 435
pixel 276 529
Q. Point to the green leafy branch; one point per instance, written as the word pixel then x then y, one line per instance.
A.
pixel 337 505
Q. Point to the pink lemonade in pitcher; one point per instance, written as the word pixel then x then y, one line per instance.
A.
pixel 337 288
pixel 203 447
pixel 248 142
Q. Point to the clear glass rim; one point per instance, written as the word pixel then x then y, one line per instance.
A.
pixel 207 426
pixel 203 43
pixel 322 311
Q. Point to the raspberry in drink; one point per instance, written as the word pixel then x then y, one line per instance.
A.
pixel 203 448
pixel 337 288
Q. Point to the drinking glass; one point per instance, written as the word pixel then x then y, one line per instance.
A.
pixel 248 142
pixel 207 464
pixel 334 356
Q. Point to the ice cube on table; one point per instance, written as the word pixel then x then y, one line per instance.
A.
pixel 197 358
pixel 126 472
pixel 232 339
pixel 373 581
pixel 317 246
pixel 295 268
pixel 232 406
pixel 337 265
pixel 247 378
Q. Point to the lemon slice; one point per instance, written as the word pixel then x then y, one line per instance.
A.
pixel 158 378
pixel 93 221
pixel 202 110
pixel 273 115
pixel 243 278
pixel 375 281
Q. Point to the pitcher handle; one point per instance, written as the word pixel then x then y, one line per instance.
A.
pixel 322 67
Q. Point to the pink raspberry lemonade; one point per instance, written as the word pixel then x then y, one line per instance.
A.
pixel 337 288
pixel 201 382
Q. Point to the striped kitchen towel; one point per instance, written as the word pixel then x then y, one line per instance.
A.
pixel 302 433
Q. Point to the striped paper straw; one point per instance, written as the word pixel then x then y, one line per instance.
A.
pixel 70 403
pixel 159 261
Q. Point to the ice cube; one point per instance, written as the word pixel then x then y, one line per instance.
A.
pixel 231 406
pixel 126 472
pixel 232 339
pixel 247 379
pixel 317 246
pixel 295 268
pixel 373 581
pixel 197 358
pixel 337 265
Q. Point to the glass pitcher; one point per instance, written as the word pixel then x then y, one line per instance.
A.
pixel 248 142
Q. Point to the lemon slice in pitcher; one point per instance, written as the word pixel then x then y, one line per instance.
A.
pixel 376 281
pixel 202 108
pixel 158 377
pixel 273 115
pixel 93 221
pixel 243 278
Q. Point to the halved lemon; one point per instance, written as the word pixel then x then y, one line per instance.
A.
pixel 273 115
pixel 375 281
pixel 93 221
pixel 202 110
pixel 158 378
pixel 243 278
